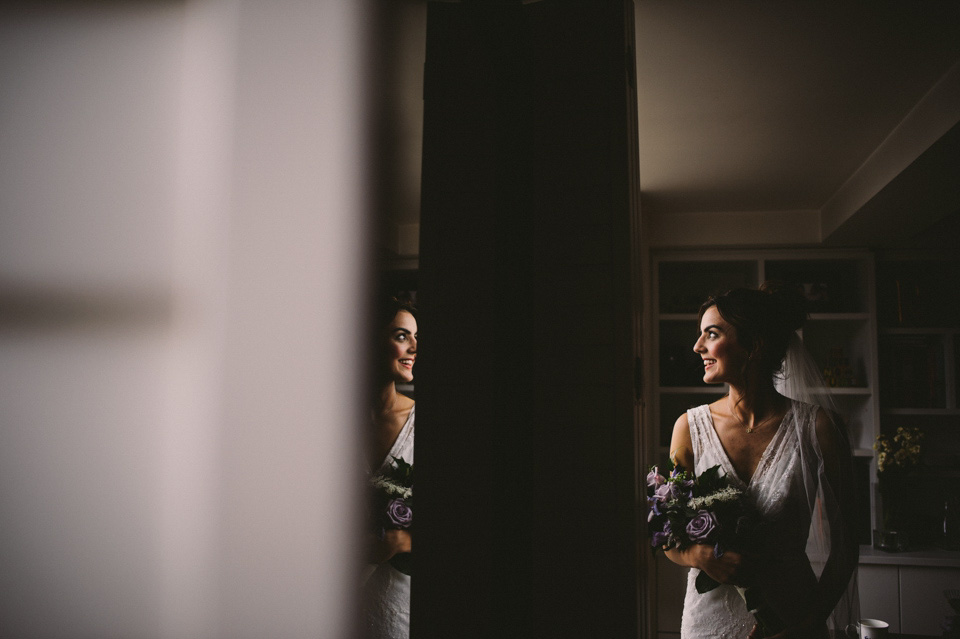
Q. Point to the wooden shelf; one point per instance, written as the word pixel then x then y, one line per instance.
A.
pixel 846 390
pixel 692 390
pixel 835 317
pixel 935 412
pixel 918 330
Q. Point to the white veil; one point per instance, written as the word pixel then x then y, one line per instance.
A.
pixel 826 459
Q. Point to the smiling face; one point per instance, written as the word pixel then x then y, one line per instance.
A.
pixel 401 349
pixel 723 357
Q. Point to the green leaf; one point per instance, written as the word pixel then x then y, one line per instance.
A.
pixel 403 472
pixel 710 480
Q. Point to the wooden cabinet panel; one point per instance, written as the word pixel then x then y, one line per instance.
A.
pixel 923 605
pixel 880 594
pixel 671 587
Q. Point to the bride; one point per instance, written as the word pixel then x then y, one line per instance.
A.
pixel 794 461
pixel 385 596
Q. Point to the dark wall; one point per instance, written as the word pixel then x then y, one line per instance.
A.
pixel 526 444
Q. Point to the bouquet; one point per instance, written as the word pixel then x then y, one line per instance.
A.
pixel 706 509
pixel 393 505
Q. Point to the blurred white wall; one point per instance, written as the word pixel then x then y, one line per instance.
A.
pixel 182 250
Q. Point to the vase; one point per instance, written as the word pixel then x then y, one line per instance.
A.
pixel 891 540
pixel 897 492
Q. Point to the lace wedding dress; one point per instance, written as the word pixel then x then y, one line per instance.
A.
pixel 385 593
pixel 787 487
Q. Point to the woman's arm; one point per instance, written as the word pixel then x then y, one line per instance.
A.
pixel 393 543
pixel 725 569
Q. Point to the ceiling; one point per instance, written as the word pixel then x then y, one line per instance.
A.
pixel 814 122
pixel 790 108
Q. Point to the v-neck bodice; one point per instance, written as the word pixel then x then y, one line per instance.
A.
pixel 403 446
pixel 710 431
pixel 775 474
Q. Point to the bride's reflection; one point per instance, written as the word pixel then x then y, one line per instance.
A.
pixel 386 587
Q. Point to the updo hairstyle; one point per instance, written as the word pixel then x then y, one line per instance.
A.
pixel 765 320
pixel 387 308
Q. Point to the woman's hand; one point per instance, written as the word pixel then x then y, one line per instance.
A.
pixel 728 568
pixel 393 543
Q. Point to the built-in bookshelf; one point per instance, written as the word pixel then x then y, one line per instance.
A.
pixel 918 313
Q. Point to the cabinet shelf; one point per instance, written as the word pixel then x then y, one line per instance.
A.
pixel 692 390
pixel 820 317
pixel 813 317
pixel 935 412
pixel 919 330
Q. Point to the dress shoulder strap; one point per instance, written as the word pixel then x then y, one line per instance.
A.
pixel 698 420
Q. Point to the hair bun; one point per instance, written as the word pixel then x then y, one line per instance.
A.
pixel 788 303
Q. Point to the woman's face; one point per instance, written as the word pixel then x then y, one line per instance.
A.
pixel 723 357
pixel 402 347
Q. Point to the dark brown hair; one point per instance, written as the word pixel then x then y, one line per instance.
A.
pixel 764 318
pixel 389 306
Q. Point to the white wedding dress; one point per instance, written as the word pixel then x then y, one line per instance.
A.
pixel 385 593
pixel 788 566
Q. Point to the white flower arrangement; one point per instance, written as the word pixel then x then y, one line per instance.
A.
pixel 724 495
pixel 391 488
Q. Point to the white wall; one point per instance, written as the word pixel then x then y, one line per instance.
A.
pixel 181 266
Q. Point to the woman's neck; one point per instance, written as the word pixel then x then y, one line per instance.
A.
pixel 754 402
pixel 387 399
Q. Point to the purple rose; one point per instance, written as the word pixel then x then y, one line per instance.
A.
pixel 399 514
pixel 654 478
pixel 662 493
pixel 701 526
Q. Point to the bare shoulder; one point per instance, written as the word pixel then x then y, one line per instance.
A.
pixel 681 445
pixel 681 430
